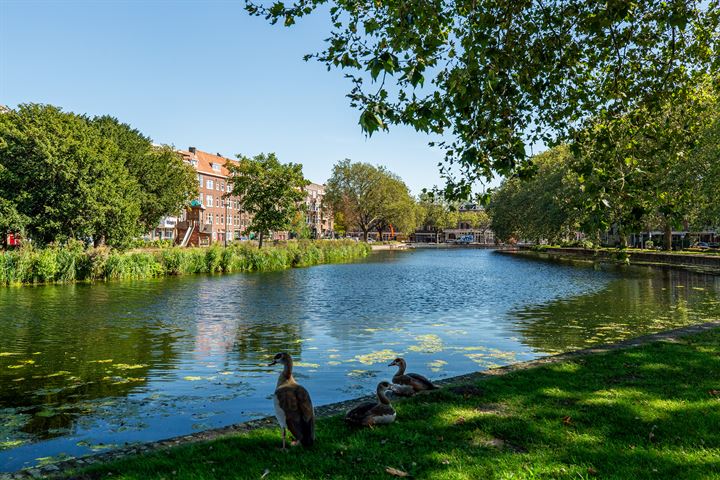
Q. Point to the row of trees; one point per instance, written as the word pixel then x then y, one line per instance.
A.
pixel 368 198
pixel 622 178
pixel 65 176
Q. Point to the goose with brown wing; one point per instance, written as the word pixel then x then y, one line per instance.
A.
pixel 293 407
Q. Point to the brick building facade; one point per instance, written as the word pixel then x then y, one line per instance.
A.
pixel 215 219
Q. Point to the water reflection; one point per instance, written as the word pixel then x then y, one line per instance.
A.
pixel 84 367
pixel 643 301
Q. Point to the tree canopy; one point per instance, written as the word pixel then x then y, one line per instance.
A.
pixel 270 191
pixel 544 206
pixel 67 176
pixel 367 197
pixel 492 78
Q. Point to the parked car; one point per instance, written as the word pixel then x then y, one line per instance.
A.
pixel 699 246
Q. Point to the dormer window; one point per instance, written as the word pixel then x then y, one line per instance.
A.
pixel 216 167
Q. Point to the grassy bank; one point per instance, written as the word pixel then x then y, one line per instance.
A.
pixel 647 412
pixel 74 263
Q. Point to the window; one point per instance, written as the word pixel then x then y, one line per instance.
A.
pixel 210 184
pixel 217 202
pixel 222 186
pixel 209 218
pixel 222 219
pixel 208 200
pixel 215 166
pixel 200 180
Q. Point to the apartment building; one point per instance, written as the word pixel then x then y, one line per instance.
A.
pixel 219 219
pixel 319 219
pixel 212 218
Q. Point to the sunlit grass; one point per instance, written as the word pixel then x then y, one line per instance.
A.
pixel 649 412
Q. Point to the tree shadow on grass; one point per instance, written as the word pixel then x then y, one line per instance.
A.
pixel 646 412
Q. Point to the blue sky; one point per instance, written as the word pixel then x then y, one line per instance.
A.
pixel 199 73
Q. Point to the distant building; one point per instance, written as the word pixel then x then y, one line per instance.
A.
pixel 319 219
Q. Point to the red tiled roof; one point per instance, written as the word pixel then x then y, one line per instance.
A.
pixel 206 160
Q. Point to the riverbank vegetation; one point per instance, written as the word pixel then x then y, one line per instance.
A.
pixel 649 412
pixel 65 176
pixel 632 183
pixel 75 263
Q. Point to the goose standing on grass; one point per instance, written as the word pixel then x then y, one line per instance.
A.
pixel 293 407
pixel 373 413
pixel 408 383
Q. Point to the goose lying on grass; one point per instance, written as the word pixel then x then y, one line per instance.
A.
pixel 408 383
pixel 373 413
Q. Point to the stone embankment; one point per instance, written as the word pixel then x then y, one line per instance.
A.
pixel 688 261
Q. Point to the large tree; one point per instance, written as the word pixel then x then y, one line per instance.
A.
pixel 634 177
pixel 544 206
pixel 61 174
pixel 369 197
pixel 270 191
pixel 166 182
pixel 492 78
pixel 70 176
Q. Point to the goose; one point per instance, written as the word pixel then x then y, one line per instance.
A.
pixel 373 413
pixel 293 407
pixel 408 383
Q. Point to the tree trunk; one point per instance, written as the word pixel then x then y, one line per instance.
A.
pixel 668 236
pixel 260 240
pixel 365 235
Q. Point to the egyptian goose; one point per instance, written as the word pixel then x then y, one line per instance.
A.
pixel 408 383
pixel 293 407
pixel 373 413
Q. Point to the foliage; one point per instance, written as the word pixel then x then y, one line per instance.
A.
pixel 495 77
pixel 617 415
pixel 11 221
pixel 369 197
pixel 166 182
pixel 299 227
pixel 635 179
pixel 270 191
pixel 73 262
pixel 71 177
pixel 544 206
pixel 435 212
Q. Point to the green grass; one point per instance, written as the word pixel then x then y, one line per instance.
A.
pixel 648 412
pixel 74 263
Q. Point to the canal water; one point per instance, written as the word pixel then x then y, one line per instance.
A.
pixel 86 368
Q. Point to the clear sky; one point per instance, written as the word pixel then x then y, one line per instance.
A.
pixel 200 73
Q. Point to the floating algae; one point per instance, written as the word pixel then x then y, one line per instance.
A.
pixel 379 356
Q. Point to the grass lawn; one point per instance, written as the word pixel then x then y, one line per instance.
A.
pixel 647 412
